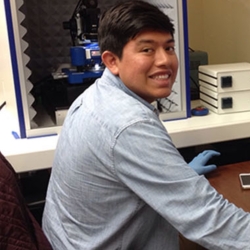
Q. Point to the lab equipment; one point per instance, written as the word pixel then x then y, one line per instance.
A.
pixel 224 88
pixel 85 53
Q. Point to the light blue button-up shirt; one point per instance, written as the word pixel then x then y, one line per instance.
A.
pixel 118 182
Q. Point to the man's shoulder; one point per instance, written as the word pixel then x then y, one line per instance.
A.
pixel 110 105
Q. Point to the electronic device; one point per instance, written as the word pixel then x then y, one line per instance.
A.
pixel 85 52
pixel 83 24
pixel 196 58
pixel 58 94
pixel 86 64
pixel 245 180
pixel 225 88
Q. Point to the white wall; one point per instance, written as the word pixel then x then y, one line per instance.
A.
pixel 7 91
pixel 221 28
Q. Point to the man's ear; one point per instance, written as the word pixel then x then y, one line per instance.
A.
pixel 111 61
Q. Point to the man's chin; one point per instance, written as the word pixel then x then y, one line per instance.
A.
pixel 164 95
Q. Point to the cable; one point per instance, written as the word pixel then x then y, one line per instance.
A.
pixel 195 83
pixel 2 105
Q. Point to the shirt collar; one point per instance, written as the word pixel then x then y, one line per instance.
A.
pixel 115 80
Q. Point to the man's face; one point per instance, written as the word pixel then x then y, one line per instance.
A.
pixel 149 65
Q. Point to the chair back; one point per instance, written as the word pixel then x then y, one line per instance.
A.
pixel 18 227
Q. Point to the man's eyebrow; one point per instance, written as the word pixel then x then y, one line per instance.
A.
pixel 143 41
pixel 171 40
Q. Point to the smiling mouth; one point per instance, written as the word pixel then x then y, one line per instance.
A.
pixel 161 77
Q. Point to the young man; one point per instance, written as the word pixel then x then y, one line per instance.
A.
pixel 117 181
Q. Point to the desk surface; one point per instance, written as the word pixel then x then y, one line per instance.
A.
pixel 225 179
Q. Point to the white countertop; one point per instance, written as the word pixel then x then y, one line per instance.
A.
pixel 25 154
pixel 209 129
pixel 38 153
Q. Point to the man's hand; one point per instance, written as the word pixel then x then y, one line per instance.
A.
pixel 198 163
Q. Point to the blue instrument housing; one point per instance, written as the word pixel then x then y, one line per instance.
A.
pixel 87 62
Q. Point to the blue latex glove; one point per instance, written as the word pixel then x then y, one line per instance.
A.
pixel 198 163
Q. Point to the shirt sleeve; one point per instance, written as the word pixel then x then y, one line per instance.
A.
pixel 148 163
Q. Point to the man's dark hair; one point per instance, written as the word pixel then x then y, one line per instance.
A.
pixel 124 21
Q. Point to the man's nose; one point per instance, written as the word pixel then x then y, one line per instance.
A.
pixel 162 58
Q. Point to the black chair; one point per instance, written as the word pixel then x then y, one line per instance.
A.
pixel 18 227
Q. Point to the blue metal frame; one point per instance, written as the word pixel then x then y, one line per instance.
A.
pixel 186 55
pixel 15 69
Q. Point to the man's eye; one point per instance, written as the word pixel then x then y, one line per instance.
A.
pixel 147 50
pixel 171 48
